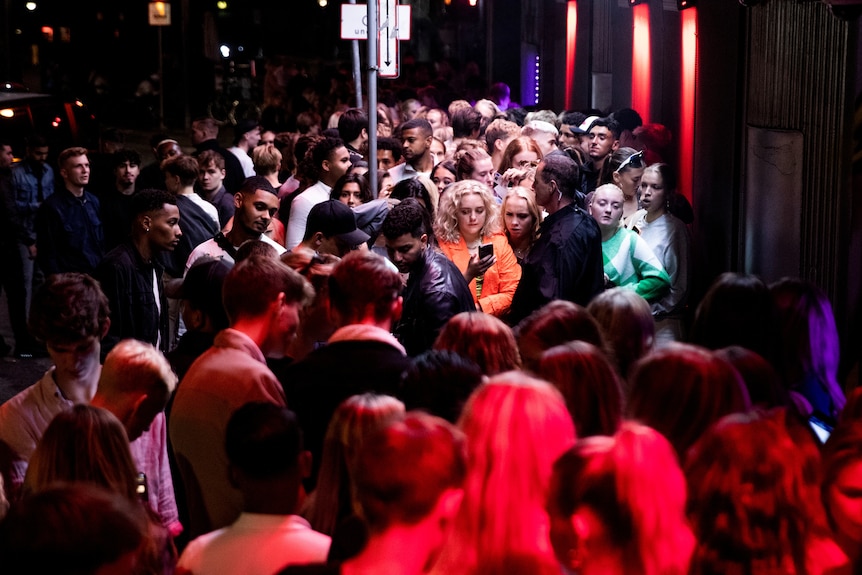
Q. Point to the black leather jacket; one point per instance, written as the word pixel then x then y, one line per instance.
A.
pixel 435 292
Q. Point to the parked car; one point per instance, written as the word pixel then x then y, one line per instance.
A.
pixel 63 122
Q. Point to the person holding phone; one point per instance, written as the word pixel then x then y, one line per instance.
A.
pixel 468 231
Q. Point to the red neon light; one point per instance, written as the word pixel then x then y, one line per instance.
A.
pixel 641 62
pixel 689 81
pixel 571 34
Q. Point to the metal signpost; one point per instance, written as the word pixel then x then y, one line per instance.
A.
pixel 160 15
pixel 383 54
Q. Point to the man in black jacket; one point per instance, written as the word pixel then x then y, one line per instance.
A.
pixel 566 261
pixel 131 276
pixel 362 356
pixel 436 289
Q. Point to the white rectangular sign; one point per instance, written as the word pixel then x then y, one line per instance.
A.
pixel 388 57
pixel 354 22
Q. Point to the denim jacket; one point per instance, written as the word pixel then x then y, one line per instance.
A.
pixel 27 194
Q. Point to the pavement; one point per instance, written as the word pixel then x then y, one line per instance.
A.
pixel 16 374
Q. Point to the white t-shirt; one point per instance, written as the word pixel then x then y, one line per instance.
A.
pixel 255 544
pixel 299 208
pixel 207 207
pixel 212 249
pixel 244 159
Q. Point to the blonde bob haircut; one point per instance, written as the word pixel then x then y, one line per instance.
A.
pixel 446 221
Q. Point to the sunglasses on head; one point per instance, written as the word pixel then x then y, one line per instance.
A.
pixel 636 160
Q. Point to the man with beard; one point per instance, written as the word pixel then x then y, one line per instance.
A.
pixel 435 291
pixel 116 202
pixel 256 203
pixel 566 261
pixel 416 137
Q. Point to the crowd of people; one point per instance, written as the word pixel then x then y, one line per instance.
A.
pixel 488 364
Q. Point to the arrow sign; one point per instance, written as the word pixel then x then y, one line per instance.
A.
pixel 354 22
pixel 388 55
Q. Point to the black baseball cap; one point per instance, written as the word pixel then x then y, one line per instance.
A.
pixel 333 218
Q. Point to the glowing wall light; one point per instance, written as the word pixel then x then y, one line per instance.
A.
pixel 530 75
pixel 571 36
pixel 689 83
pixel 641 62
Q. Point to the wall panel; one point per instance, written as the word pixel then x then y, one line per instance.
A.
pixel 796 79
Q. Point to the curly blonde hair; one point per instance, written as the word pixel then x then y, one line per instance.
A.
pixel 446 220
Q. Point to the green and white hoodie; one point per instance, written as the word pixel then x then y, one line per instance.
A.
pixel 630 263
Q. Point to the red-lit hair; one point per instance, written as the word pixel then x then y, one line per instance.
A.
pixel 680 390
pixel 516 427
pixel 482 338
pixel 635 487
pixel 589 384
pixel 750 502
pixel 515 147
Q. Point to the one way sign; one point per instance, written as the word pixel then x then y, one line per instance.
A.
pixel 393 25
pixel 388 55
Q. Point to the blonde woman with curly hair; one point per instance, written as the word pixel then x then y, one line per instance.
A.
pixel 468 217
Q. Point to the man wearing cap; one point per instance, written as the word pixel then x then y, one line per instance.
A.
pixel 256 203
pixel 570 128
pixel 202 311
pixel 583 133
pixel 331 229
pixel 246 137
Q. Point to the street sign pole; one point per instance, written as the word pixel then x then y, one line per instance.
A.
pixel 362 22
pixel 160 15
pixel 372 96
pixel 357 70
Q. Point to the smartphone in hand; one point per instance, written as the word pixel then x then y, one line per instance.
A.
pixel 486 250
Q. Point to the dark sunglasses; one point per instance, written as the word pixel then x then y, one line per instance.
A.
pixel 636 160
